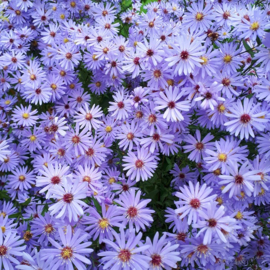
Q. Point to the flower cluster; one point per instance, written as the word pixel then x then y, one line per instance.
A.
pixel 134 134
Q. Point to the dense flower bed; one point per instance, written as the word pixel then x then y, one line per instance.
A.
pixel 134 135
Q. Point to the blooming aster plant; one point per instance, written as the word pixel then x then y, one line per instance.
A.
pixel 134 134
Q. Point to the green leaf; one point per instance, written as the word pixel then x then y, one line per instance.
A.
pixel 45 209
pixel 97 205
pixel 248 48
pixel 26 202
pixel 4 195
pixel 16 215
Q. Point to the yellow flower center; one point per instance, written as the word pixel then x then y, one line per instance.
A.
pixel 66 253
pixel 73 4
pixel 53 86
pixel 7 102
pixel 33 138
pixel 21 178
pixel 262 192
pixel 3 229
pixel 219 200
pixel 205 60
pixel 103 223
pixel 25 115
pixel 108 129
pixel 66 40
pixel 170 82
pixel 135 43
pixel 239 215
pixel 62 16
pixel 94 57
pixel 3 214
pixel 221 108
pixel 222 157
pixel 199 16
pixel 112 180
pixel 254 26
pixel 227 58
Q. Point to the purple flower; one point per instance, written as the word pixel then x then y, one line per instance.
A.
pixel 170 99
pixel 240 179
pixel 214 223
pixel 101 226
pixel 185 55
pixel 136 213
pixel 125 253
pixel 162 253
pixel 198 146
pixel 245 117
pixel 69 251
pixel 121 107
pixel 51 175
pixel 140 164
pixel 4 151
pixel 69 200
pixel 193 199
pixel 25 116
pixel 10 248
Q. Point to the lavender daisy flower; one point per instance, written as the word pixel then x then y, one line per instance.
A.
pixel 7 226
pixel 224 154
pixel 199 17
pixel 244 118
pixel 101 226
pixel 140 165
pixel 193 199
pixel 33 262
pixel 90 175
pixel 69 200
pixel 51 175
pixel 151 52
pixel 21 179
pixel 170 99
pixel 197 252
pixel 88 117
pixel 43 228
pixel 78 141
pixel 121 107
pixel 185 55
pixel 125 253
pixel 69 251
pixel 137 215
pixel 4 151
pixel 156 141
pixel 240 179
pixel 228 57
pixel 10 248
pixel 68 56
pixel 163 254
pixel 139 96
pixel 58 126
pixel 198 146
pixel 129 136
pixel 25 116
pixel 182 176
pixel 214 223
